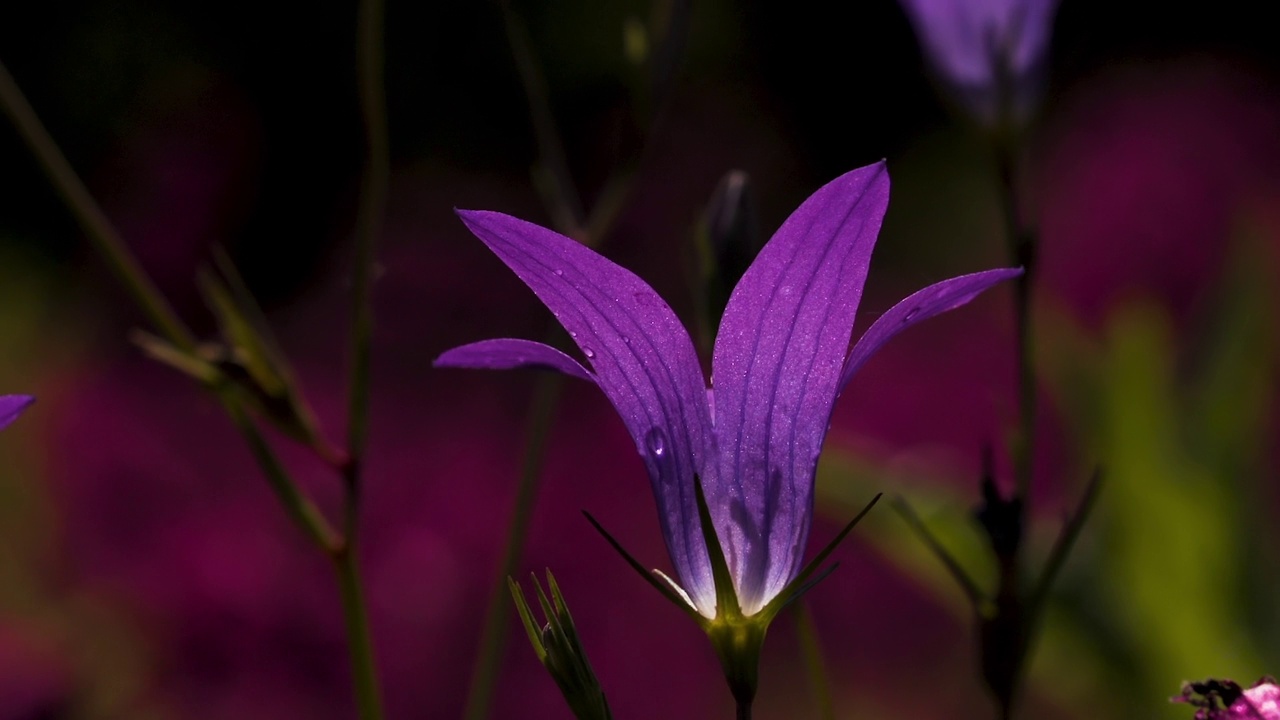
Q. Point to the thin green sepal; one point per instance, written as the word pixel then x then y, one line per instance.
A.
pixel 803 589
pixel 789 593
pixel 982 604
pixel 726 595
pixel 1062 547
pixel 666 591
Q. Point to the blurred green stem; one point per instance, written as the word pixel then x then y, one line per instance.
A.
pixel 811 650
pixel 1022 251
pixel 364 675
pixel 484 674
pixel 369 218
pixel 370 65
pixel 303 512
pixel 89 215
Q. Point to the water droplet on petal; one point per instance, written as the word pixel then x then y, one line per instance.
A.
pixel 588 352
pixel 656 441
pixel 573 333
pixel 559 272
pixel 626 340
pixel 910 314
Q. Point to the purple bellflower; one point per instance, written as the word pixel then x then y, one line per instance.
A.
pixel 732 466
pixel 11 406
pixel 989 53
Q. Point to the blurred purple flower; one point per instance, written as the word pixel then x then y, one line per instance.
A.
pixel 781 358
pixel 11 406
pixel 1224 700
pixel 990 53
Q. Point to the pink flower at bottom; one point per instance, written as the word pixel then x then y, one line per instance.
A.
pixel 1224 700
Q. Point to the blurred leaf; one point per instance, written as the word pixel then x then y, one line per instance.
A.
pixel 1162 596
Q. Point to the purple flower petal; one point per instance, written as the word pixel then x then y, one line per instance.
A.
pixel 11 406
pixel 920 305
pixel 643 360
pixel 510 353
pixel 776 369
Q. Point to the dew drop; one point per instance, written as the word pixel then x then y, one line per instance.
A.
pixel 910 314
pixel 559 272
pixel 588 352
pixel 626 340
pixel 656 441
pixel 573 333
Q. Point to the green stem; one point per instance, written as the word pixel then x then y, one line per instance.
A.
pixel 370 63
pixel 811 651
pixel 562 197
pixel 89 215
pixel 484 674
pixel 373 199
pixel 364 675
pixel 1022 249
pixel 300 509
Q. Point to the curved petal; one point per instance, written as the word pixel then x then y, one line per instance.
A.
pixel 11 406
pixel 921 305
pixel 511 353
pixel 776 367
pixel 642 359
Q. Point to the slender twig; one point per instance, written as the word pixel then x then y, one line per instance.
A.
pixel 562 197
pixel 370 64
pixel 1022 251
pixel 1062 547
pixel 811 651
pixel 373 199
pixel 89 215
pixel 484 674
pixel 977 598
pixel 364 677
pixel 300 508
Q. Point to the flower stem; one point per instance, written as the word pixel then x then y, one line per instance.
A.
pixel 370 67
pixel 1022 249
pixel 301 510
pixel 373 199
pixel 811 650
pixel 1009 642
pixel 744 710
pixel 364 675
pixel 484 675
pixel 97 228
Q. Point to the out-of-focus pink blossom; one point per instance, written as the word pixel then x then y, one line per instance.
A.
pixel 1224 700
